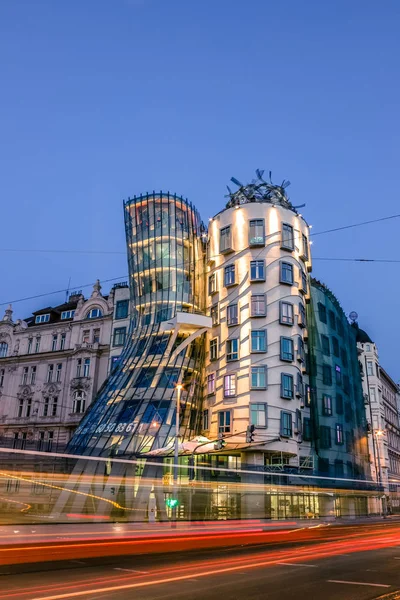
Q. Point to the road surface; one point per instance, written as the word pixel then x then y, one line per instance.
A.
pixel 360 562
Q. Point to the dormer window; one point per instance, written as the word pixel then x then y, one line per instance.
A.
pixel 42 318
pixel 94 313
pixel 67 314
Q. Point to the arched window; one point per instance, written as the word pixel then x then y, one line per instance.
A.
pixel 3 349
pixel 94 313
pixel 79 402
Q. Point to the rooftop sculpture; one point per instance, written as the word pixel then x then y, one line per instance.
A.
pixel 260 190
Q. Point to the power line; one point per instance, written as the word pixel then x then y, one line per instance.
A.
pixel 119 252
pixel 354 225
pixel 365 260
pixel 59 291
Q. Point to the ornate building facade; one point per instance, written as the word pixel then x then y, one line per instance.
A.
pixel 51 366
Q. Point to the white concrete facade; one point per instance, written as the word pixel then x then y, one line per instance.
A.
pixel 258 285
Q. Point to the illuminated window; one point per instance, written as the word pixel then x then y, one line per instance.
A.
pixel 326 405
pixel 286 313
pixel 258 414
pixel 258 305
pixel 256 232
pixel 229 386
pixel 339 434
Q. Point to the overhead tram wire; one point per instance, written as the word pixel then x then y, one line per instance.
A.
pixel 124 277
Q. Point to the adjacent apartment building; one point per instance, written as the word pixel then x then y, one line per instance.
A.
pixel 53 363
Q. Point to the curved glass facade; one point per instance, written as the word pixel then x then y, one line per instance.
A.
pixel 134 411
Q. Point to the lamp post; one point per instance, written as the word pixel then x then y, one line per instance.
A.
pixel 378 433
pixel 179 388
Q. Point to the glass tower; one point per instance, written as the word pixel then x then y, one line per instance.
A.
pixel 134 411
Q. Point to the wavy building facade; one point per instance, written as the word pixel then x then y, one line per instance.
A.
pixel 135 410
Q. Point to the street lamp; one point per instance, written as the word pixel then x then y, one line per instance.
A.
pixel 179 388
pixel 379 433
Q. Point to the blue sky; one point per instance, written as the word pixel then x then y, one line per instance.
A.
pixel 102 99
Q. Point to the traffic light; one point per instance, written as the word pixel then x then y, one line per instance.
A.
pixel 250 434
pixel 220 443
pixel 172 502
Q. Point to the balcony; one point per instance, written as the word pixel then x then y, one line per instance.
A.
pixel 87 346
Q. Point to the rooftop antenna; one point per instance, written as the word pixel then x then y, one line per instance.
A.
pixel 67 290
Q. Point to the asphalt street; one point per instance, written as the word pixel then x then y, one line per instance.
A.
pixel 364 563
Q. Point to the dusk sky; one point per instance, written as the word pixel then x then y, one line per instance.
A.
pixel 104 99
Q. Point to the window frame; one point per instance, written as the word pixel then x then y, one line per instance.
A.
pixel 262 337
pixel 213 349
pixel 230 391
pixel 230 275
pixel 225 234
pixel 259 368
pixel 119 332
pixel 232 349
pixel 284 268
pixel 287 320
pixel 263 302
pixel 284 395
pixel 256 240
pixel 263 410
pixel 211 380
pixel 286 429
pixel 256 266
pixel 287 245
pixel 125 312
pixel 232 320
pixel 284 354
pixel 327 405
pixel 224 423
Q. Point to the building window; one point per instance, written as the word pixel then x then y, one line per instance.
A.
pixel 256 232
pixel 258 305
pixel 214 349
pixel 96 336
pixel 94 313
pixel 338 375
pixel 33 375
pixel 286 273
pixel 370 368
pixel 212 284
pixel 325 436
pixel 37 344
pixel 54 406
pixel 25 375
pixel 287 386
pixel 305 253
pixel 79 402
pixel 2 372
pixel 46 406
pixel 287 349
pixel 368 347
pixel 322 312
pixel 303 280
pixel 224 421
pixel 50 372
pixel 58 372
pixel 62 341
pixel 339 404
pixel 20 411
pixel 30 341
pixel 258 414
pixel 326 405
pixel 339 327
pixel 287 237
pixel 225 242
pixel 339 434
pixel 257 270
pixel 301 355
pixel 372 393
pixel 286 424
pixel 343 355
pixel 286 313
pixel 259 340
pixel 28 408
pixel 229 386
pixel 332 320
pixel 67 314
pixel 54 343
pixel 232 349
pixel 302 316
pixel 299 385
pixel 3 349
pixel 335 347
pixel 86 367
pixel 42 318
pixel 121 309
pixel 326 375
pixel 229 276
pixel 307 429
pixel 232 317
pixel 258 377
pixel 86 336
pixel 205 420
pixel 50 438
pixel 79 367
pixel 119 336
pixel 307 395
pixel 214 315
pixel 211 384
pixel 325 345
